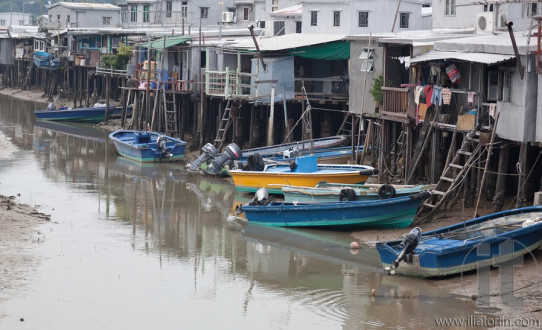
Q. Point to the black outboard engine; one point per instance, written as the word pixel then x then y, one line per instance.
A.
pixel 231 152
pixel 260 198
pixel 161 143
pixel 410 242
pixel 207 152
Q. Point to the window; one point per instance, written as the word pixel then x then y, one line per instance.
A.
pixel 58 18
pixel 146 14
pixel 314 18
pixel 297 27
pixel 184 9
pixel 204 12
pixel 367 57
pixel 133 13
pixel 169 8
pixel 336 18
pixel 2 22
pixel 363 19
pixel 106 20
pixel 499 85
pixel 450 8
pixel 245 14
pixel 530 9
pixel 68 18
pixel 278 28
pixel 403 20
pixel 275 5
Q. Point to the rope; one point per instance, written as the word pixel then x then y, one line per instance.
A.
pixel 525 181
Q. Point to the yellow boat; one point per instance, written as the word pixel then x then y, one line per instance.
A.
pixel 303 172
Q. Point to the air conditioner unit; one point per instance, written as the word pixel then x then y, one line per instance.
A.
pixel 485 23
pixel 227 17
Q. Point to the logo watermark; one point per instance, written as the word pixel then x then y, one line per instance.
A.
pixel 483 321
pixel 507 255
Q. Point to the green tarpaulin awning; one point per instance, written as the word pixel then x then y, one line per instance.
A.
pixel 330 51
pixel 169 41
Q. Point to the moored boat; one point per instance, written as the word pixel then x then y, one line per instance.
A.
pixel 396 212
pixel 94 114
pixel 478 243
pixel 45 60
pixel 332 192
pixel 146 146
pixel 304 171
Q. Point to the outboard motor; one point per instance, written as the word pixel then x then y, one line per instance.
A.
pixel 161 143
pixel 291 153
pixel 410 242
pixel 231 152
pixel 260 198
pixel 207 152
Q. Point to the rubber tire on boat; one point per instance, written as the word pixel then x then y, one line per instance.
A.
pixel 255 163
pixel 292 166
pixel 386 191
pixel 347 194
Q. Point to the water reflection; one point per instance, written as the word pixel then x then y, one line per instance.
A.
pixel 135 233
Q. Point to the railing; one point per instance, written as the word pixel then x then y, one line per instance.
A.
pixel 227 83
pixel 395 101
pixel 153 18
pixel 330 87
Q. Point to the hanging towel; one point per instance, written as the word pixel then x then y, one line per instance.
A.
pixel 428 92
pixel 470 97
pixel 446 96
pixel 492 110
pixel 437 95
pixel 417 93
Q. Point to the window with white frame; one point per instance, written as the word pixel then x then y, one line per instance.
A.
pixel 363 19
pixel 204 12
pixel 367 57
pixel 246 13
pixel 314 18
pixel 274 5
pixel 403 20
pixel 184 9
pixel 298 27
pixel 278 28
pixel 336 18
pixel 450 8
pixel 133 13
pixel 169 8
pixel 499 85
pixel 106 20
pixel 530 9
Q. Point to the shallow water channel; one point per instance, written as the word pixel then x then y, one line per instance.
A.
pixel 134 246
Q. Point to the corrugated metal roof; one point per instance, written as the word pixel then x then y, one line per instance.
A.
pixel 85 5
pixel 288 41
pixel 288 11
pixel 484 58
pixel 165 42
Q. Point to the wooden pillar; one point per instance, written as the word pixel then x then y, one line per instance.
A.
pixel 520 197
pixel 500 186
pixel 433 166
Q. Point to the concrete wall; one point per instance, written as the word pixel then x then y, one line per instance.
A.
pixel 7 51
pixel 357 77
pixel 466 16
pixel 381 15
pixel 280 69
pixel 15 19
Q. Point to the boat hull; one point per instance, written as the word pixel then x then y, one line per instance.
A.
pixel 390 213
pixel 83 115
pixel 436 256
pixel 146 151
pixel 251 181
pixel 331 192
pixel 301 146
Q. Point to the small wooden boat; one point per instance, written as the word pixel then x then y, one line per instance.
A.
pixel 302 147
pixel 466 246
pixel 83 115
pixel 44 60
pixel 304 171
pixel 146 146
pixel 332 192
pixel 396 212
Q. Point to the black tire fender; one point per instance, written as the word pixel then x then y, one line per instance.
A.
pixel 386 191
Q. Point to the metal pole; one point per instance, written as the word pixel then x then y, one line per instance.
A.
pixel 200 115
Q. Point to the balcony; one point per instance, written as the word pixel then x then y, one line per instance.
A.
pixel 153 18
pixel 395 101
pixel 228 83
pixel 322 88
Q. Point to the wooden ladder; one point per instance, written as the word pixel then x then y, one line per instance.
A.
pixel 453 175
pixel 347 125
pixel 170 112
pixel 225 124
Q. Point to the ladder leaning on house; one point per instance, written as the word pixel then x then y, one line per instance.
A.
pixel 224 126
pixel 453 175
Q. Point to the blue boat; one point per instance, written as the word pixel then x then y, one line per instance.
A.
pixel 396 212
pixel 44 60
pixel 81 115
pixel 146 146
pixel 474 244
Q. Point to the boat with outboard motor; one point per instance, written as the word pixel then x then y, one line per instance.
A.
pixel 148 146
pixel 478 243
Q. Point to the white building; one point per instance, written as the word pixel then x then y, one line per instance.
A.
pixel 15 19
pixel 79 14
